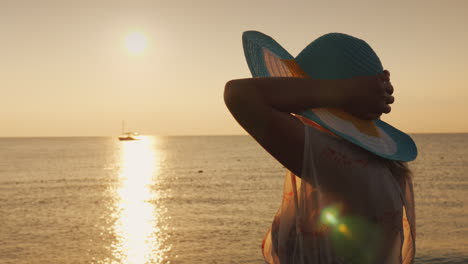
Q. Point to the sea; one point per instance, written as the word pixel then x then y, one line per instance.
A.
pixel 184 199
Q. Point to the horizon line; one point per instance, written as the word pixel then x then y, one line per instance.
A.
pixel 191 135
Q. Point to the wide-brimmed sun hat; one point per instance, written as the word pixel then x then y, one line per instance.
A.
pixel 331 56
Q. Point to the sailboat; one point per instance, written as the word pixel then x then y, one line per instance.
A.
pixel 128 135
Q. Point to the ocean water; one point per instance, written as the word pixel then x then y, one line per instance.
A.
pixel 186 199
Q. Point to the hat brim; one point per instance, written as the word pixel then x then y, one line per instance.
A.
pixel 267 58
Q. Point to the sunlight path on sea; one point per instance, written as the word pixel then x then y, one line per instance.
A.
pixel 139 237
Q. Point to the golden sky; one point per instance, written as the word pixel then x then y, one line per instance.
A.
pixel 66 68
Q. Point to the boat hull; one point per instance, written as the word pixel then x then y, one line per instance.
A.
pixel 127 138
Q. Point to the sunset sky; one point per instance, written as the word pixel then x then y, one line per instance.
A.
pixel 78 68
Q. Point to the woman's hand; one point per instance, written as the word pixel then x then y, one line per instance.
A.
pixel 367 97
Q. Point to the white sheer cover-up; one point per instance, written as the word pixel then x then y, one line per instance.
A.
pixel 345 208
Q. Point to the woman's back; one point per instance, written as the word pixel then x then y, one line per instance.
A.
pixel 345 208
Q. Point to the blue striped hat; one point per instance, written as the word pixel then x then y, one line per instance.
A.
pixel 332 56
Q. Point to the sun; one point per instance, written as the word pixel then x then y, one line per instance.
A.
pixel 136 42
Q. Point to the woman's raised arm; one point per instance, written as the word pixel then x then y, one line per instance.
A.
pixel 262 106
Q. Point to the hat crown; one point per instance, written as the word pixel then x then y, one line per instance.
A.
pixel 336 56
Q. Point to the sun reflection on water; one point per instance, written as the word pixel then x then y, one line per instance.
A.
pixel 139 237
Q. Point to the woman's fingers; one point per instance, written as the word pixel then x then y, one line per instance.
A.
pixel 387 109
pixel 372 96
pixel 387 73
pixel 384 105
pixel 390 99
pixel 385 76
pixel 388 87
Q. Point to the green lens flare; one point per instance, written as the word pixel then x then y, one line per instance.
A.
pixel 330 216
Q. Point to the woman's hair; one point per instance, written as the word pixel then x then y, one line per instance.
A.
pixel 399 170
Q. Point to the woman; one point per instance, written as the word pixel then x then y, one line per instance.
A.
pixel 351 202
